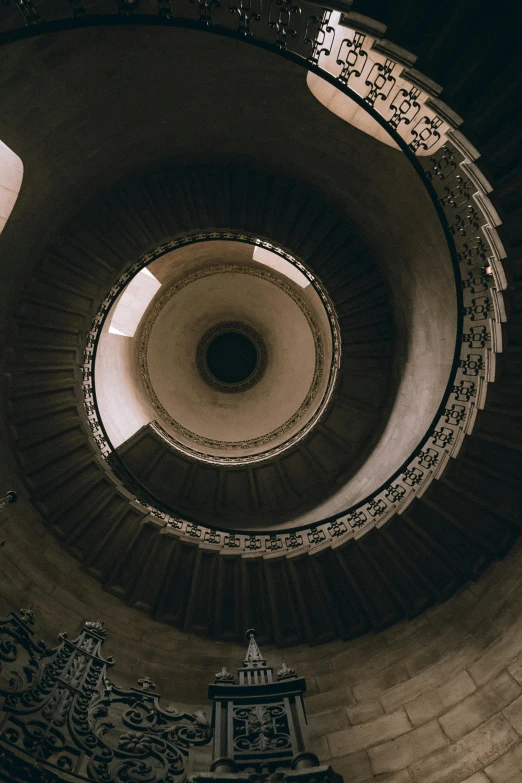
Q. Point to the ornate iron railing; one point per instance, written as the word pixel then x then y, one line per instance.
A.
pixel 350 53
pixel 62 719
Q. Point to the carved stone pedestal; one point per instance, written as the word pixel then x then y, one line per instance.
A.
pixel 259 725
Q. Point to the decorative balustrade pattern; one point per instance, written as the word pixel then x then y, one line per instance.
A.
pixel 350 53
pixel 62 718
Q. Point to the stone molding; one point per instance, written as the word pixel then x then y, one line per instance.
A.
pixel 262 440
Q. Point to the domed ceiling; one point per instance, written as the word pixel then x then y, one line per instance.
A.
pixel 229 319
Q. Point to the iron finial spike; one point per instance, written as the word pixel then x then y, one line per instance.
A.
pixel 253 656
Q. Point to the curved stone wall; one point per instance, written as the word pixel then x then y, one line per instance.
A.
pixel 437 699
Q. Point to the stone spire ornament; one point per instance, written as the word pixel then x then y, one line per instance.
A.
pixel 253 658
pixel 260 726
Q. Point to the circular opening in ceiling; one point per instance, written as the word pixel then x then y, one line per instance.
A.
pixel 231 357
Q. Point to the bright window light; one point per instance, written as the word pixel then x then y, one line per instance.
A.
pixel 133 302
pixel 11 173
pixel 266 257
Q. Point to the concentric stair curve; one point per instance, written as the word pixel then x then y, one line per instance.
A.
pixel 449 535
pixel 345 435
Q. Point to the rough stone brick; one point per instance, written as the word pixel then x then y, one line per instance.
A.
pixel 355 768
pixel 478 777
pixel 403 751
pixel 366 734
pixel 511 608
pixel 470 754
pixel 14 575
pixel 492 603
pixel 498 656
pixel 437 700
pixel 311 686
pixel 436 650
pixel 466 653
pixel 514 714
pixel 346 659
pixel 313 668
pixel 60 559
pixel 386 679
pixel 327 722
pixel 395 777
pixel 401 630
pixel 506 768
pixel 333 680
pixel 323 702
pixel 442 618
pixel 480 706
pixel 360 652
pixel 305 652
pixel 515 668
pixel 405 691
pixel 5 607
pixel 363 711
pixel 319 746
pixel 366 665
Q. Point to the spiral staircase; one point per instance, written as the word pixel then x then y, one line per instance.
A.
pixel 174 555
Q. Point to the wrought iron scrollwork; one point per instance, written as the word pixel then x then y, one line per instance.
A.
pixel 205 10
pixel 352 57
pixel 284 17
pixel 405 107
pixel 61 711
pixel 247 11
pixel 426 133
pixel 320 35
pixel 260 728
pixel 380 81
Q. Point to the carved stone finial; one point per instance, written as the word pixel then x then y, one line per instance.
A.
pixel 253 656
pixel 285 672
pixel 224 675
pixel 146 684
pixel 27 616
pixel 96 626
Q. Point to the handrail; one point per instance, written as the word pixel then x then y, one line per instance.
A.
pixel 302 34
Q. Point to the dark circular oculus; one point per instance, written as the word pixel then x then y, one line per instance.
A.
pixel 231 357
